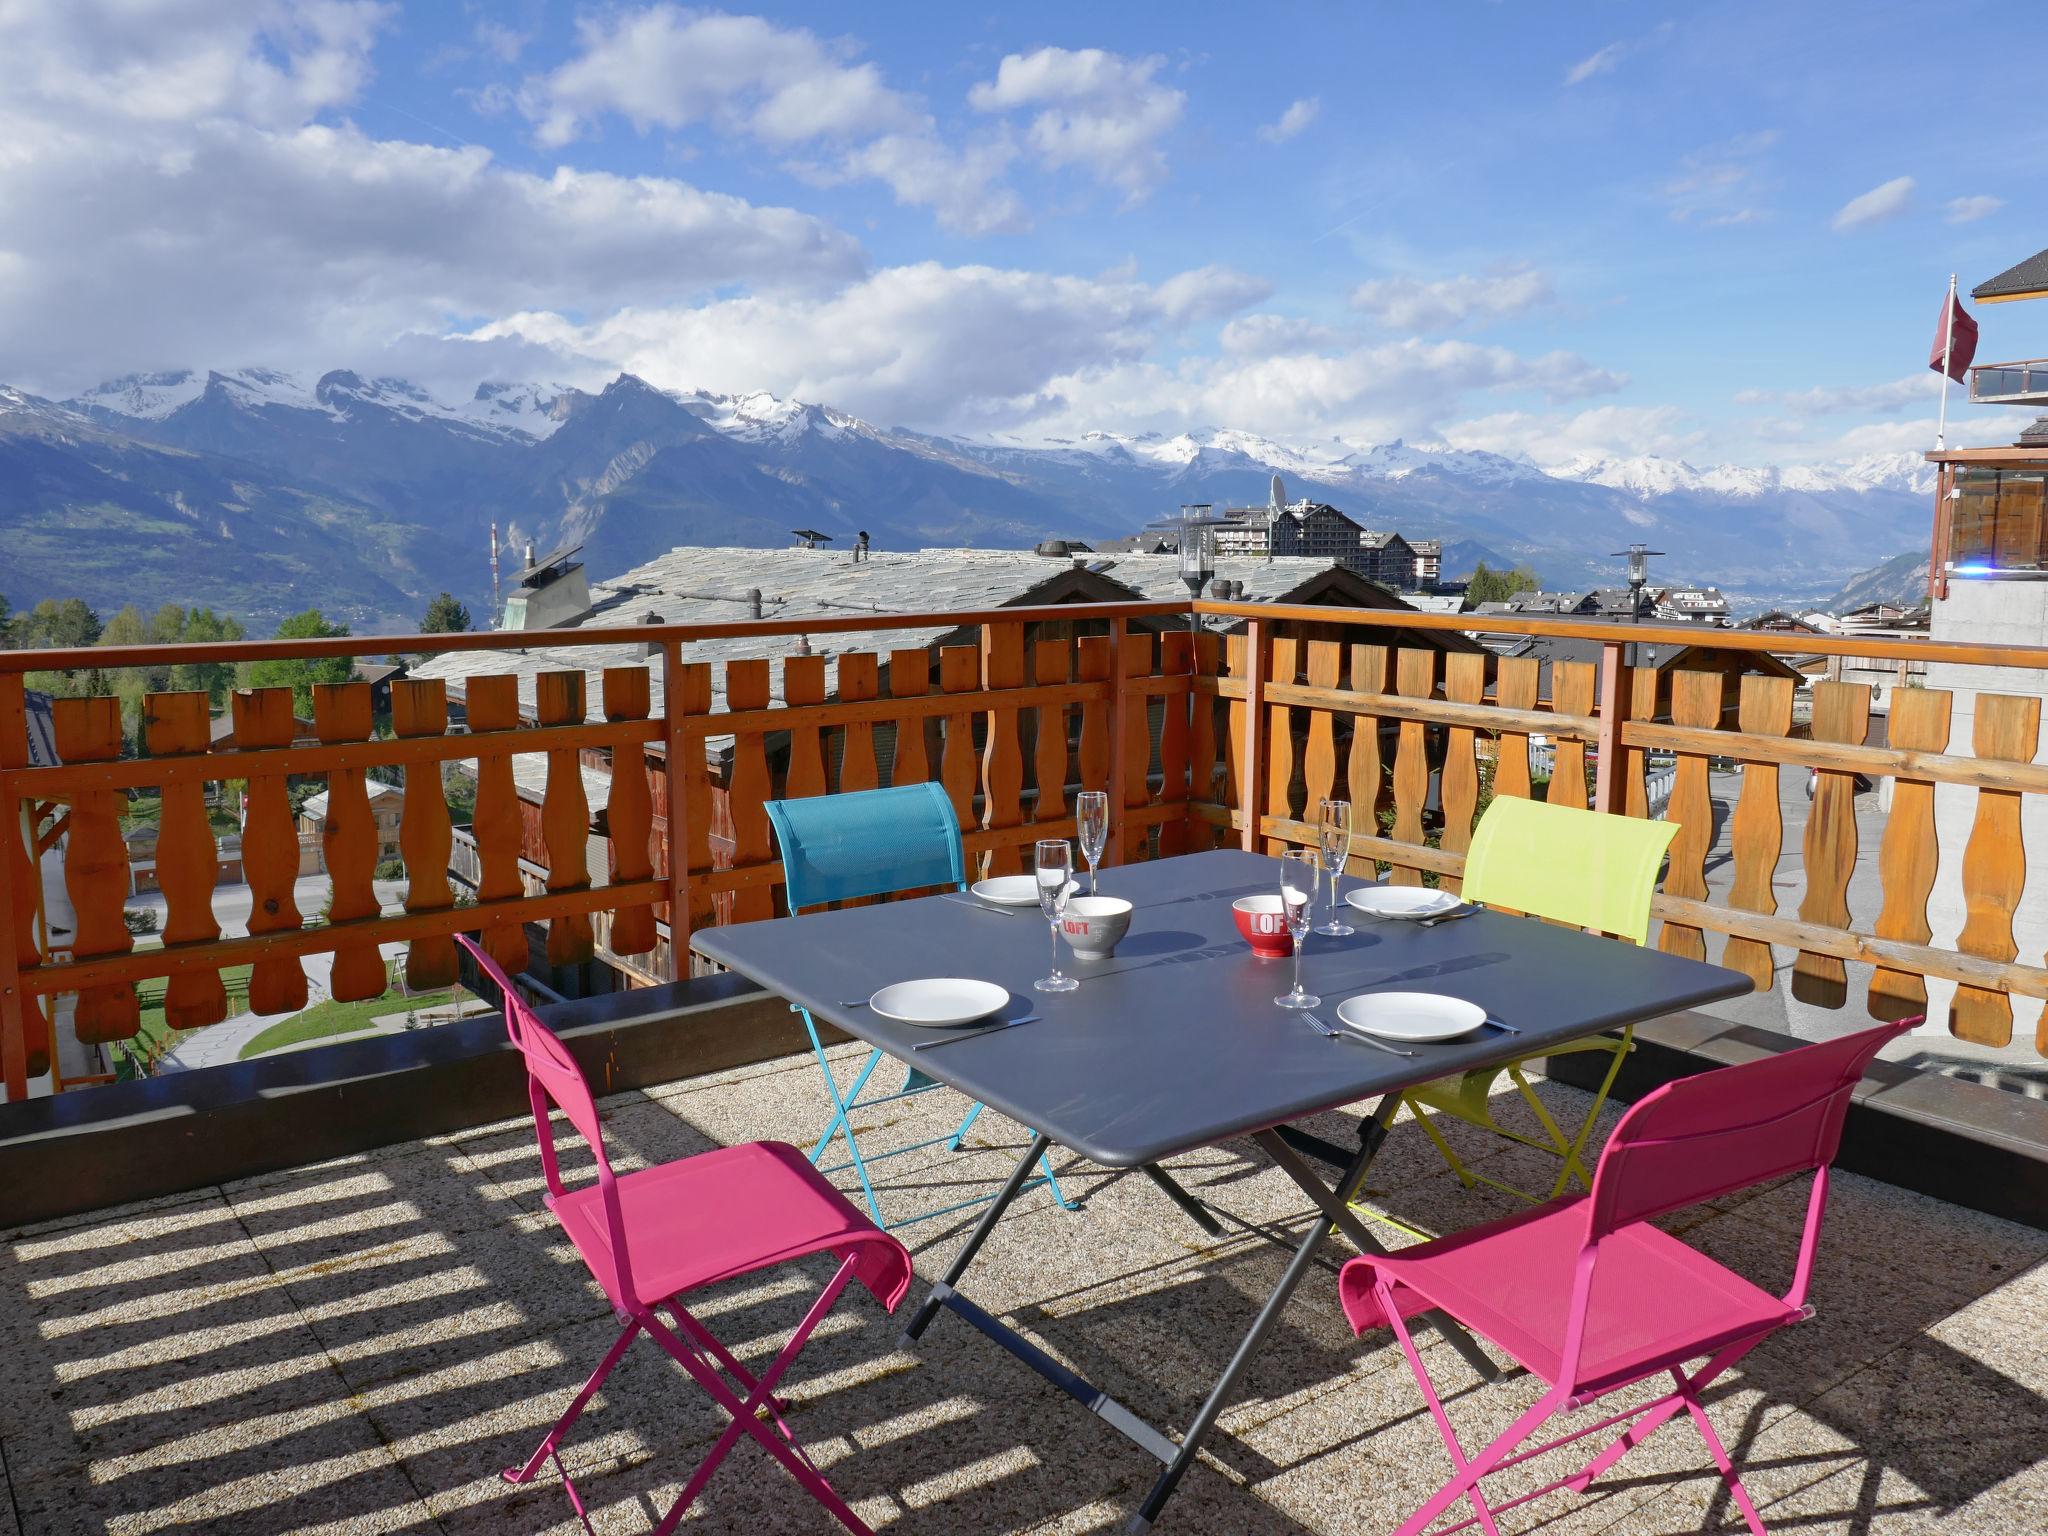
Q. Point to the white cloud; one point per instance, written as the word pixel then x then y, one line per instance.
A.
pixel 1719 186
pixel 1100 111
pixel 1911 391
pixel 1879 203
pixel 1209 293
pixel 1412 304
pixel 666 68
pixel 1276 335
pixel 1552 438
pixel 1600 63
pixel 211 239
pixel 1297 117
pixel 1967 210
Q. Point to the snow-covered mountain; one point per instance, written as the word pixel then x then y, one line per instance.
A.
pixel 632 470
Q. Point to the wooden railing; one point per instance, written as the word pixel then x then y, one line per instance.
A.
pixel 1203 739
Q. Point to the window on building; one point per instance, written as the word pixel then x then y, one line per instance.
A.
pixel 1998 520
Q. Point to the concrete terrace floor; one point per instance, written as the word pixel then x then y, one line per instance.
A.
pixel 361 1346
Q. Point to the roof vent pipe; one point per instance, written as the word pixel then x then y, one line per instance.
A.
pixel 754 602
pixel 653 647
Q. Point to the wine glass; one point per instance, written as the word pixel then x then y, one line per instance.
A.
pixel 1333 831
pixel 1091 809
pixel 1299 878
pixel 1055 883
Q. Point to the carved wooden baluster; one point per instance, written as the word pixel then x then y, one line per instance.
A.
pixel 1464 683
pixel 1841 712
pixel 1366 772
pixel 1415 677
pixel 1994 865
pixel 1175 652
pixel 1202 746
pixel 1051 662
pixel 1278 797
pixel 1757 831
pixel 910 677
pixel 1092 757
pixel 1695 702
pixel 1002 758
pixel 629 808
pixel 187 859
pixel 419 710
pixel 270 849
pixel 1909 854
pixel 341 713
pixel 803 684
pixel 859 681
pixel 1514 687
pixel 492 704
pixel 1319 757
pixel 1573 685
pixel 1643 683
pixel 746 688
pixel 28 1054
pixel 1236 666
pixel 959 672
pixel 96 868
pixel 689 789
pixel 1131 845
pixel 565 815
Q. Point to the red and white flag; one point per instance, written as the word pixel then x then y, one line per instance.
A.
pixel 1955 340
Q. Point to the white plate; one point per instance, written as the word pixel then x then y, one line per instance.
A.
pixel 1399 900
pixel 938 1002
pixel 1008 890
pixel 1410 1016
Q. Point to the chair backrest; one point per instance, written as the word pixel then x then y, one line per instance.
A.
pixel 1710 1135
pixel 1579 867
pixel 868 843
pixel 553 1076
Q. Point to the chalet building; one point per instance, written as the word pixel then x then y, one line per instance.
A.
pixel 1692 605
pixel 387 809
pixel 719 585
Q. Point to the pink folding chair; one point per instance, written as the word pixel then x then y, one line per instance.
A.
pixel 1590 1297
pixel 653 1236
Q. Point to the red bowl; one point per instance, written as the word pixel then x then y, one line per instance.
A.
pixel 1263 923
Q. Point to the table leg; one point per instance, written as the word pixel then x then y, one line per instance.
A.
pixel 1180 1197
pixel 936 1297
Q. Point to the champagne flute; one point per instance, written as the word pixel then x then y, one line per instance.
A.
pixel 1091 810
pixel 1299 878
pixel 1055 861
pixel 1333 830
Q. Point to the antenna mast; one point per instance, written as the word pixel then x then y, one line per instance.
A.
pixel 497 597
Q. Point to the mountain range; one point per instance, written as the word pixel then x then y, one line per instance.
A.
pixel 261 494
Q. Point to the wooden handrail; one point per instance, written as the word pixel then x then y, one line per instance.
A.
pixel 109 657
pixel 2030 657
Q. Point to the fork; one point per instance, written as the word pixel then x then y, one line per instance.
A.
pixel 1328 1033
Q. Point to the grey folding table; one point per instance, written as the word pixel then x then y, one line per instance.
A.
pixel 1174 1044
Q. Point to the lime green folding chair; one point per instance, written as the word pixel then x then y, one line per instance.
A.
pixel 1590 870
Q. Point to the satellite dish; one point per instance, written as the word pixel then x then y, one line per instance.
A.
pixel 1279 496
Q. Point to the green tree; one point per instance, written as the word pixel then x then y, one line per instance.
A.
pixel 445 616
pixel 1491 586
pixel 300 674
pixel 202 626
pixel 52 624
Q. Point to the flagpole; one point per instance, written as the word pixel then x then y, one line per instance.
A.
pixel 1948 342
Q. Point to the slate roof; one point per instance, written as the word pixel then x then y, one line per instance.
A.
pixel 709 585
pixel 2029 277
pixel 42 731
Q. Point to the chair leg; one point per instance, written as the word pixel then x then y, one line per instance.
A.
pixel 1626 1044
pixel 1661 1414
pixel 1715 1449
pixel 785 1448
pixel 546 1449
pixel 973 1114
pixel 842 1107
pixel 1422 1119
pixel 1459 1463
pixel 1567 1151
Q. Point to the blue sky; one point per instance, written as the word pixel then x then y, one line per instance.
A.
pixel 1716 230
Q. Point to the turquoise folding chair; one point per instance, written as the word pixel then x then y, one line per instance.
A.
pixel 875 842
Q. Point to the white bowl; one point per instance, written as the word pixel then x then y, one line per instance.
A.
pixel 1399 900
pixel 939 1001
pixel 1094 925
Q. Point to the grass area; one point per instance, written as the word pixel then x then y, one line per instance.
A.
pixel 332 1018
pixel 156 1036
pixel 147 809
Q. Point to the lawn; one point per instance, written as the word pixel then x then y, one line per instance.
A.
pixel 332 1018
pixel 155 1036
